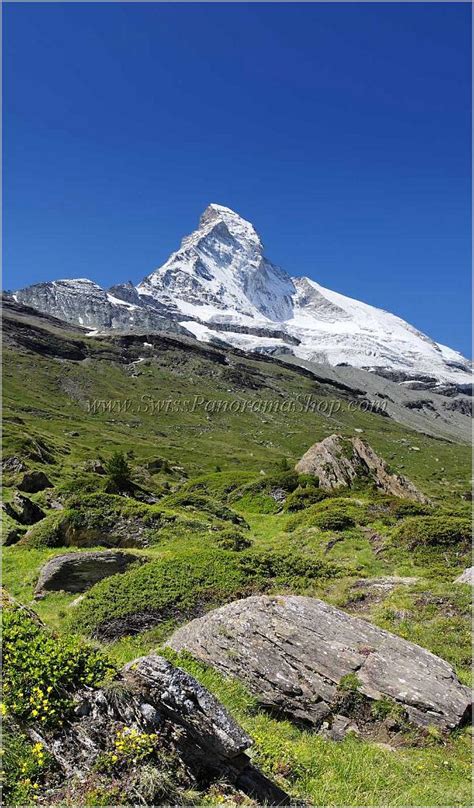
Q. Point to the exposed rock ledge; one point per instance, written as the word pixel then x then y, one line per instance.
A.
pixel 292 653
pixel 151 695
pixel 339 462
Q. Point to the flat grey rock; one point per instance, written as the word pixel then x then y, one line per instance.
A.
pixel 76 572
pixel 292 653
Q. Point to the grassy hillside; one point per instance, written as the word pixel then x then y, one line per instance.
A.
pixel 217 513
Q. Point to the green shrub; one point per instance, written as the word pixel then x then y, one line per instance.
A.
pixel 82 484
pixel 49 532
pixel 24 766
pixel 180 587
pixel 287 481
pixel 119 471
pixel 41 671
pixel 303 497
pixel 334 513
pixel 402 508
pixel 349 683
pixel 199 502
pixel 333 521
pixel 284 568
pixel 232 540
pixel 435 531
pixel 162 589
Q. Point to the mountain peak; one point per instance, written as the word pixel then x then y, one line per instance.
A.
pixel 240 228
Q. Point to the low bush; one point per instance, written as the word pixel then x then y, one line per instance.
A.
pixel 432 531
pixel 333 513
pixel 303 497
pixel 184 586
pixel 41 671
pixel 232 540
pixel 159 590
pixel 49 532
pixel 191 500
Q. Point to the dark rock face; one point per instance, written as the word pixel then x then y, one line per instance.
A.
pixel 86 304
pixel 338 462
pixel 23 510
pixel 76 572
pixel 13 536
pixel 34 481
pixel 293 652
pixel 150 695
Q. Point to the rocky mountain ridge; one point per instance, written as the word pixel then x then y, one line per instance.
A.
pixel 220 288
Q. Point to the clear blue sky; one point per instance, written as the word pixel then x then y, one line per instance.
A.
pixel 341 131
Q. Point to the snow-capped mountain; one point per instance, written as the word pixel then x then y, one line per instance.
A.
pixel 219 286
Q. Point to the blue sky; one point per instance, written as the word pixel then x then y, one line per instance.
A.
pixel 342 131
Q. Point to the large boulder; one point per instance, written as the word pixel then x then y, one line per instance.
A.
pixel 294 653
pixel 339 462
pixel 76 572
pixel 34 481
pixel 200 740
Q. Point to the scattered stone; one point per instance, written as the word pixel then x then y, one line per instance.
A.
pixel 14 465
pixel 339 462
pixel 339 728
pixel 23 510
pixel 386 583
pixel 278 494
pixel 467 577
pixel 94 466
pixel 76 572
pixel 73 434
pixel 34 481
pixel 292 652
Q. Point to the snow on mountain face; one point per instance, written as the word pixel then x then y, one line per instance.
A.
pixel 221 269
pixel 220 276
pixel 220 287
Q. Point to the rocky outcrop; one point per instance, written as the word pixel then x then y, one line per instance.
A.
pixel 76 572
pixel 201 741
pixel 295 653
pixel 13 464
pixel 466 577
pixel 339 462
pixel 23 510
pixel 34 481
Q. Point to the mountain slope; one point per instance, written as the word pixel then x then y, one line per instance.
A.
pixel 220 287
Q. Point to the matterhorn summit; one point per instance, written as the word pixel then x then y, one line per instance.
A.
pixel 220 269
pixel 220 287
